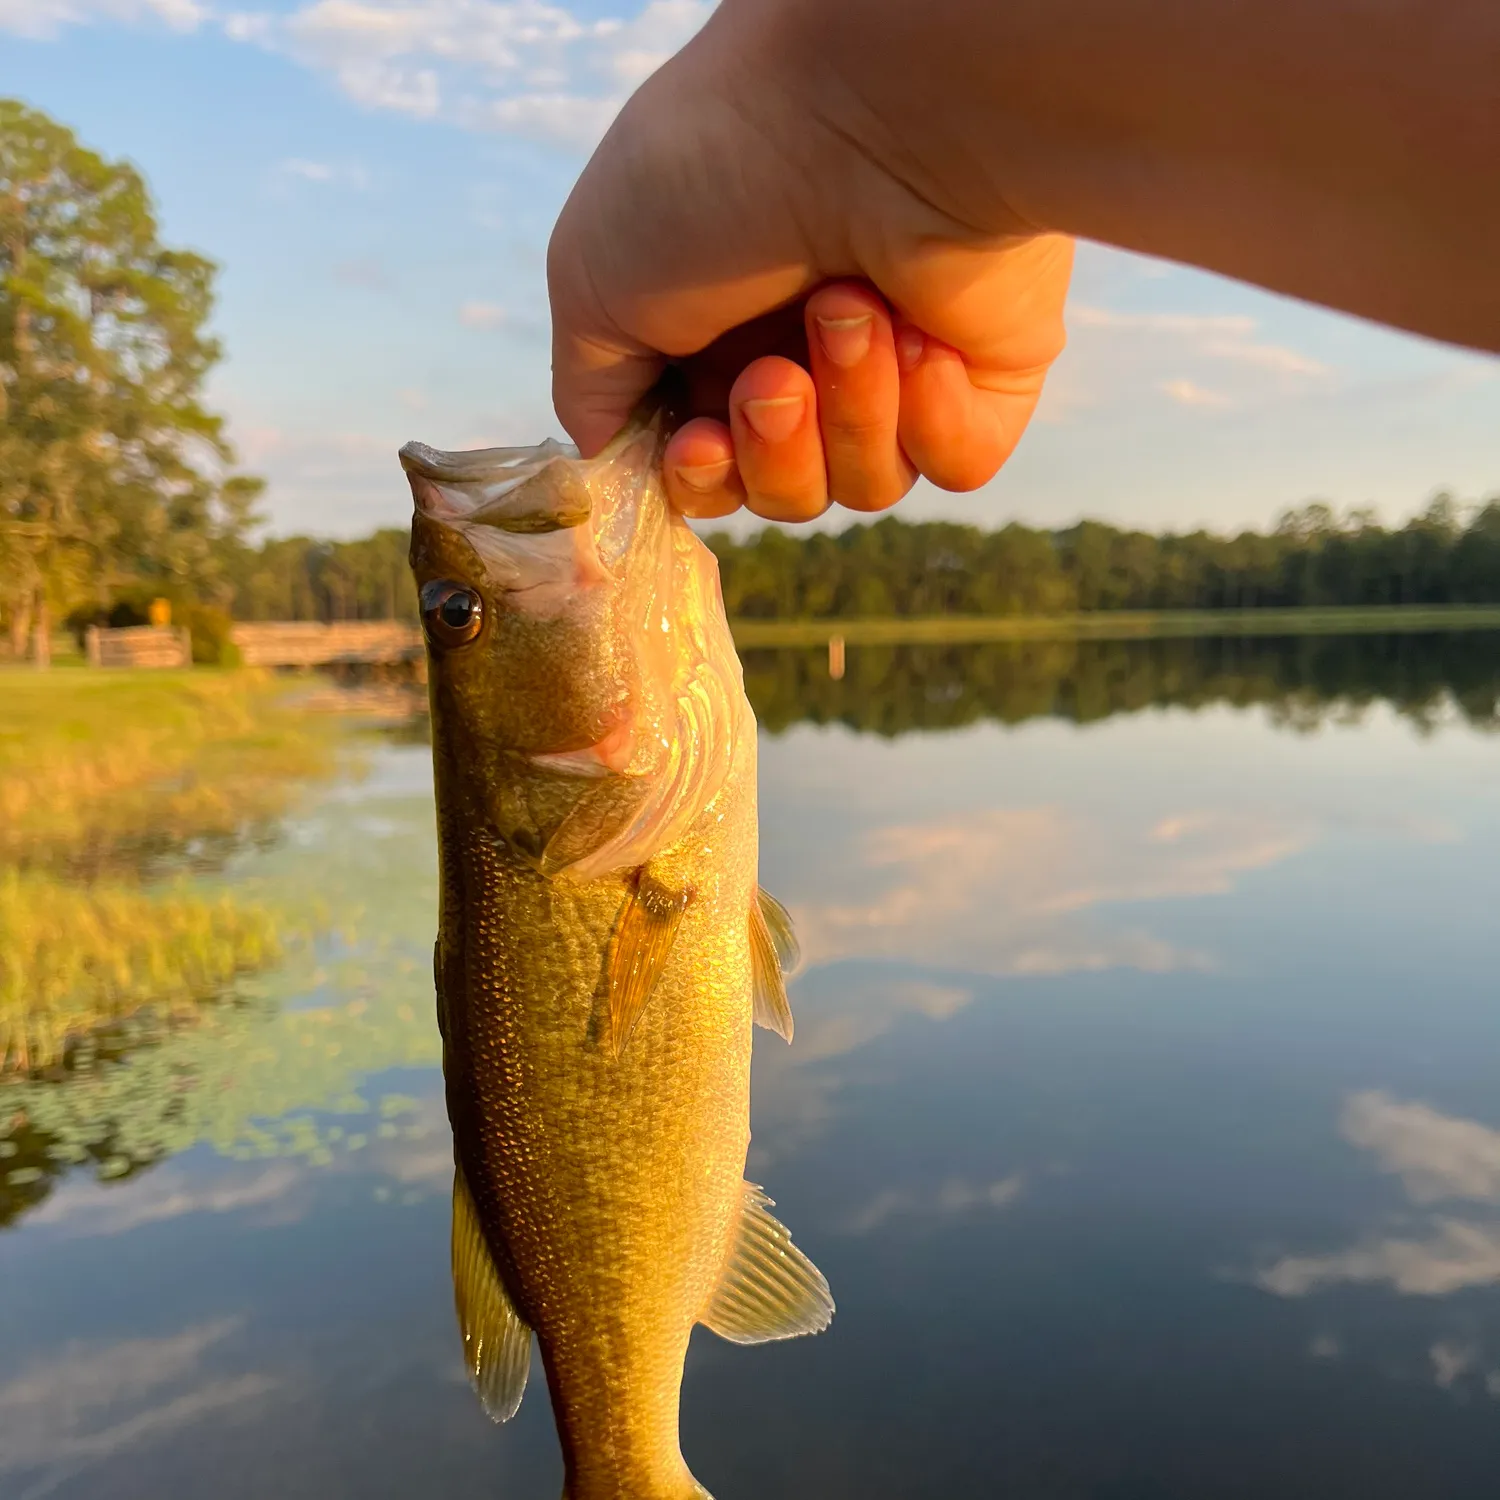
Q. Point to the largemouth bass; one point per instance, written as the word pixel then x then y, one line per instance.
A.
pixel 603 947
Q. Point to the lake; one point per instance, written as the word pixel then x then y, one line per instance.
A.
pixel 1144 1113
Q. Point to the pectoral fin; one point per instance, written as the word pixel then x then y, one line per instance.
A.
pixel 497 1343
pixel 773 954
pixel 769 1289
pixel 643 938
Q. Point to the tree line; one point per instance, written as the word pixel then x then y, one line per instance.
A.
pixel 1448 554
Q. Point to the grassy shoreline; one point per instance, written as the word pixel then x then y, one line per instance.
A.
pixel 1118 625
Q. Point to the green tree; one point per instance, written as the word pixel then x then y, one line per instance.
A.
pixel 113 474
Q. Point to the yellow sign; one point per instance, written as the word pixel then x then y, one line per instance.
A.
pixel 161 613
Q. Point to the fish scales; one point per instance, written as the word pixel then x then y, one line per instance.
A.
pixel 597 965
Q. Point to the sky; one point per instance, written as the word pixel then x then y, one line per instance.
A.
pixel 378 179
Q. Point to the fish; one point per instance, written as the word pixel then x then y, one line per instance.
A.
pixel 604 947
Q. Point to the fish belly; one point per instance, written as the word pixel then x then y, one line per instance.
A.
pixel 609 1187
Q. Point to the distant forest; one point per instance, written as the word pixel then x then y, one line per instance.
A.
pixel 1449 554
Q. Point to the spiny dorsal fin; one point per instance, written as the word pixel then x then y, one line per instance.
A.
pixel 769 1289
pixel 638 953
pixel 772 1009
pixel 497 1344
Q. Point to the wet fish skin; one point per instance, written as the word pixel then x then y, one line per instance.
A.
pixel 602 948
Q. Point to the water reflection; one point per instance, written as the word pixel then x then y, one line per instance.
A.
pixel 1142 1115
pixel 1305 681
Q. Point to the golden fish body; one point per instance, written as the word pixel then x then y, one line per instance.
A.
pixel 602 948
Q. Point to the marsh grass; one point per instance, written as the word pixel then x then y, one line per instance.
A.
pixel 74 959
pixel 107 773
pixel 110 781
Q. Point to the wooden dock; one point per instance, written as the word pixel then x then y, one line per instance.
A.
pixel 295 643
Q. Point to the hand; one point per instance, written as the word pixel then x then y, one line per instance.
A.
pixel 847 320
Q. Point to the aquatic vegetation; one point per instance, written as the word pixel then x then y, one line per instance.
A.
pixel 278 1062
pixel 73 959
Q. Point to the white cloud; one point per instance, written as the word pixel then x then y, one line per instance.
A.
pixel 1194 325
pixel 526 67
pixel 312 171
pixel 1456 1256
pixel 1000 891
pixel 1274 357
pixel 482 315
pixel 1436 1156
pixel 82 1406
pixel 1450 1361
pixel 44 19
pixel 81 1208
pixel 1123 351
pixel 1190 393
pixel 522 66
pixel 953 1197
pixel 325 173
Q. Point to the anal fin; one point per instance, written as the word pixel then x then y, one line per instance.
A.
pixel 773 955
pixel 638 952
pixel 497 1342
pixel 769 1289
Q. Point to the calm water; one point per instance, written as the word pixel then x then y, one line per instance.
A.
pixel 1144 1115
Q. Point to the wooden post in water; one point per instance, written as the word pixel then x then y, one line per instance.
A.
pixel 836 657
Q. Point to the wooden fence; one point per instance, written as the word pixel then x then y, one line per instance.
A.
pixel 293 643
pixel 139 646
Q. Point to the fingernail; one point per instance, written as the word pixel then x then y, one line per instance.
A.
pixel 705 478
pixel 910 344
pixel 775 418
pixel 846 341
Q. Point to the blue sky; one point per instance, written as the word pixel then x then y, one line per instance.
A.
pixel 378 179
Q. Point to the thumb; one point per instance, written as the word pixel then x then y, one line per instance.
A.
pixel 598 371
pixel 596 382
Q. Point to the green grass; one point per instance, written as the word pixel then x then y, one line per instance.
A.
pixel 107 779
pixel 101 768
pixel 1118 625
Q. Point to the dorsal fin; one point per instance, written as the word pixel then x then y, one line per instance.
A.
pixel 767 966
pixel 642 943
pixel 497 1343
pixel 768 1289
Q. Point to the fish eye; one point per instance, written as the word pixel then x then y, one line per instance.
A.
pixel 451 613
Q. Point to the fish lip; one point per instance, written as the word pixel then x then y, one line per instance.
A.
pixel 460 466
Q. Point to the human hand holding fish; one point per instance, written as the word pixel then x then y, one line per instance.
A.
pixel 850 219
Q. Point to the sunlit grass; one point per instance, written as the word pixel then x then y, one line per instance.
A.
pixel 73 959
pixel 100 769
pixel 109 779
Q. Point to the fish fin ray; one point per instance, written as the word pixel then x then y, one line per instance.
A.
pixel 638 953
pixel 772 1009
pixel 497 1341
pixel 768 1289
pixel 779 924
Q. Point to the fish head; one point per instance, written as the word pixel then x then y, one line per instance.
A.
pixel 577 645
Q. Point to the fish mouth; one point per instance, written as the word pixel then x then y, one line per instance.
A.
pixel 525 490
